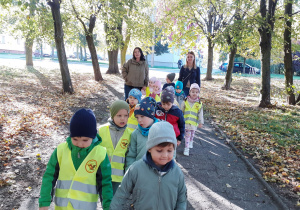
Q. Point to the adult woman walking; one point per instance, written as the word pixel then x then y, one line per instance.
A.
pixel 135 72
pixel 189 73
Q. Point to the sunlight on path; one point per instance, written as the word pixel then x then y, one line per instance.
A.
pixel 201 197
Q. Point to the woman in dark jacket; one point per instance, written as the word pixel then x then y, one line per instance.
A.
pixel 189 73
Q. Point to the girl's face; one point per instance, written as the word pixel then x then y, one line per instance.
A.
pixel 137 54
pixel 194 93
pixel 190 58
pixel 151 83
pixel 156 88
pixel 121 118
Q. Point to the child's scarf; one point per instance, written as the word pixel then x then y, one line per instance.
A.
pixel 145 131
pixel 178 94
pixel 193 100
pixel 131 110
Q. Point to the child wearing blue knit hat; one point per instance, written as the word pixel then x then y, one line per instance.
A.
pixel 134 97
pixel 155 174
pixel 145 115
pixel 179 93
pixel 79 168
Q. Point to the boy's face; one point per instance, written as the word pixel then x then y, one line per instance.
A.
pixel 178 90
pixel 82 141
pixel 133 101
pixel 166 105
pixel 194 93
pixel 121 118
pixel 144 121
pixel 162 155
pixel 167 80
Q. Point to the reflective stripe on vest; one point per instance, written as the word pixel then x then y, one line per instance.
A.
pixel 117 155
pixel 132 122
pixel 191 114
pixel 77 189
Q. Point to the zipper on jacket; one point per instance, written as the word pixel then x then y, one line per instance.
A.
pixel 159 180
pixel 78 155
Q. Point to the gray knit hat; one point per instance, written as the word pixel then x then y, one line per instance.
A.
pixel 161 132
pixel 117 106
pixel 171 76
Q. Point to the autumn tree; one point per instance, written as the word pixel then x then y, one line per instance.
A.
pixel 60 46
pixel 267 20
pixel 86 13
pixel 204 18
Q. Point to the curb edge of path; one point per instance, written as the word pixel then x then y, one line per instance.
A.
pixel 274 195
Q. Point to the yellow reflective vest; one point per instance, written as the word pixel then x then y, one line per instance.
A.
pixel 132 123
pixel 116 155
pixel 191 114
pixel 77 189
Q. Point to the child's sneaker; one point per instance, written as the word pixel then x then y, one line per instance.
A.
pixel 191 144
pixel 186 152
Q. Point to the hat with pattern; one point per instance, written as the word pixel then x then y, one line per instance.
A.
pixel 146 107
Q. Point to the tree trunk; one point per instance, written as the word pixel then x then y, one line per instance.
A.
pixel 81 56
pixel 244 66
pixel 265 32
pixel 288 59
pixel 210 60
pixel 124 49
pixel 90 41
pixel 60 46
pixel 92 48
pixel 28 49
pixel 228 77
pixel 113 67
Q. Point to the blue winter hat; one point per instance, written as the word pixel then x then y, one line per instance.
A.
pixel 179 85
pixel 146 107
pixel 83 124
pixel 135 93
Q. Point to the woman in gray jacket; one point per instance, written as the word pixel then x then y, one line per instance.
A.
pixel 135 72
pixel 155 182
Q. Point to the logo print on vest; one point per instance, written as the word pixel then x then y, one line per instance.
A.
pixel 124 143
pixel 90 166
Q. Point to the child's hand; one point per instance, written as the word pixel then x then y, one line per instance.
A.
pixel 178 142
pixel 44 208
pixel 144 88
pixel 200 125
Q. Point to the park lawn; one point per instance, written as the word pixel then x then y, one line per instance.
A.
pixel 270 136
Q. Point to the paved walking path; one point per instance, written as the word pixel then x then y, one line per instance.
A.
pixel 217 178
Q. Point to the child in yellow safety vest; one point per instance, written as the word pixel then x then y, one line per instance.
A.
pixel 79 168
pixel 150 87
pixel 115 138
pixel 193 115
pixel 134 97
